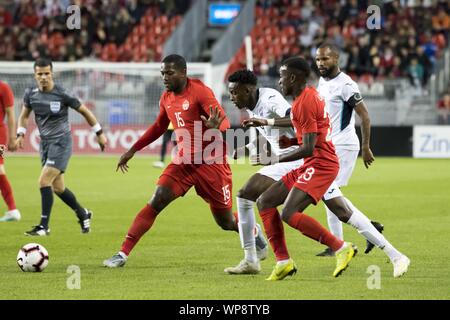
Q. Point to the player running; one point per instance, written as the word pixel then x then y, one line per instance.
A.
pixel 307 184
pixel 186 103
pixel 50 104
pixel 342 97
pixel 7 138
pixel 263 103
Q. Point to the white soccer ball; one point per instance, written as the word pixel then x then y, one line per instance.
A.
pixel 32 257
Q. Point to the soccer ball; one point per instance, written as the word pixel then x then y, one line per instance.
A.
pixel 32 257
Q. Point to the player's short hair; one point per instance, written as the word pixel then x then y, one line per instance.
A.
pixel 243 77
pixel 333 48
pixel 178 61
pixel 43 62
pixel 297 64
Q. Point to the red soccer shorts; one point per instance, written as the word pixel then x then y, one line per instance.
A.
pixel 212 182
pixel 313 177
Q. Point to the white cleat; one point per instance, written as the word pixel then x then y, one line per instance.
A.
pixel 400 266
pixel 12 215
pixel 116 261
pixel 244 267
pixel 158 164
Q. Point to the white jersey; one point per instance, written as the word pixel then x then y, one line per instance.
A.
pixel 341 94
pixel 272 105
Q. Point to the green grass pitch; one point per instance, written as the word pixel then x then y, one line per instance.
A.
pixel 184 254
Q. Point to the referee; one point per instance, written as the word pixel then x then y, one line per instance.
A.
pixel 51 103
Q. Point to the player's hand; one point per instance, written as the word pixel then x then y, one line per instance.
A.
pixel 124 158
pixel 284 142
pixel 2 150
pixel 101 140
pixel 214 120
pixel 254 122
pixel 367 156
pixel 20 141
pixel 238 152
pixel 12 145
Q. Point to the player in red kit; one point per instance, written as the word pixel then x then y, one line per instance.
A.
pixel 7 138
pixel 307 184
pixel 201 156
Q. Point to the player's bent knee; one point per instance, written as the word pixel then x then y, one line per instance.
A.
pixel 286 214
pixel 161 198
pixel 245 194
pixel 264 202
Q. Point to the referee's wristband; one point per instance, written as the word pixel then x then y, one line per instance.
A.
pixel 21 131
pixel 271 122
pixel 97 129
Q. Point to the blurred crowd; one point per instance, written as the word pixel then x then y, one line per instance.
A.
pixel 34 28
pixel 411 37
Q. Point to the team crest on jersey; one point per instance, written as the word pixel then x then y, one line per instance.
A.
pixel 185 105
pixel 55 106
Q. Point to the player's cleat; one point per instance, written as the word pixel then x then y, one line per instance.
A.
pixel 370 245
pixel 400 266
pixel 11 215
pixel 244 267
pixel 116 261
pixel 158 164
pixel 282 271
pixel 326 253
pixel 86 222
pixel 38 231
pixel 260 243
pixel 343 258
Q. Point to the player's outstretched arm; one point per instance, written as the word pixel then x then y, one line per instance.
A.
pixel 366 153
pixel 22 126
pixel 92 120
pixel 276 122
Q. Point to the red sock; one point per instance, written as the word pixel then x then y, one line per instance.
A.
pixel 141 224
pixel 7 193
pixel 311 228
pixel 275 232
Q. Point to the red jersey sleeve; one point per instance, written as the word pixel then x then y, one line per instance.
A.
pixel 206 99
pixel 155 130
pixel 6 95
pixel 308 113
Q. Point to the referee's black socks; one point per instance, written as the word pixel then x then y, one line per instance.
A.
pixel 69 198
pixel 47 203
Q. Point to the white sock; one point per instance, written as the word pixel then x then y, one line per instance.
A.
pixel 246 228
pixel 359 221
pixel 123 255
pixel 282 262
pixel 334 224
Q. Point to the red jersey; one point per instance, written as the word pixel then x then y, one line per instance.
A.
pixel 6 100
pixel 183 111
pixel 308 115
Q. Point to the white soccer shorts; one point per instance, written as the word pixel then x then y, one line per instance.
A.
pixel 278 170
pixel 347 162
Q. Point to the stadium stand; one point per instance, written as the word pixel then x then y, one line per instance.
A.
pixel 284 28
pixel 110 30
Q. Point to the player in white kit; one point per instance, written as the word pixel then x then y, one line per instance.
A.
pixel 342 97
pixel 265 103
